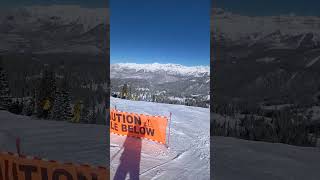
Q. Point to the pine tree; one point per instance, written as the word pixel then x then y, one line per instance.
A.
pixel 5 97
pixel 101 116
pixel 35 101
pixel 56 112
pixel 76 112
pixel 14 107
pixel 98 118
pixel 67 113
pixel 124 92
pixel 61 108
pixel 93 115
pixel 46 91
pixel 84 116
pixel 66 98
pixel 153 98
pixel 28 107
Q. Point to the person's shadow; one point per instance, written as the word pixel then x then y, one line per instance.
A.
pixel 130 159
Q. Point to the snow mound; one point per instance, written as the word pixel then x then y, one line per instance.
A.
pixel 188 155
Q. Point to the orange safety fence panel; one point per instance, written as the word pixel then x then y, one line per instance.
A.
pixel 139 125
pixel 15 167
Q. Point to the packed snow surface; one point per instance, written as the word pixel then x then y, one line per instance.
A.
pixel 188 155
pixel 53 140
pixel 251 160
pixel 175 69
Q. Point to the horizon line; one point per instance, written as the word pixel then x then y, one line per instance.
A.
pixel 159 63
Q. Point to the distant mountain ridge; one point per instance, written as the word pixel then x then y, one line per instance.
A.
pixel 172 69
pixel 256 28
pixel 270 59
pixel 172 81
pixel 54 29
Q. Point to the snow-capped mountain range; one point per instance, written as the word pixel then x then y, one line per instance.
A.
pixel 266 57
pixel 172 79
pixel 66 14
pixel 56 14
pixel 171 69
pixel 54 29
pixel 277 29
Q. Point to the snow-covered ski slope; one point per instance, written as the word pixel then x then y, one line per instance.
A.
pixel 251 160
pixel 55 140
pixel 188 155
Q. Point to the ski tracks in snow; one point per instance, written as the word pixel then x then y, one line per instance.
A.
pixel 188 155
pixel 313 61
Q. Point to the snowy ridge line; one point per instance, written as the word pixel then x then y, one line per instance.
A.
pixel 176 69
pixel 53 161
pixel 33 17
pixel 142 114
pixel 256 27
pixel 137 137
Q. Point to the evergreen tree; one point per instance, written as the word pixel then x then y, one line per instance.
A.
pixel 67 113
pixel 101 116
pixel 20 106
pixel 124 92
pixel 28 107
pixel 153 98
pixel 57 111
pixel 62 110
pixel 46 92
pixel 93 115
pixel 35 101
pixel 76 112
pixel 5 97
pixel 14 107
pixel 98 118
pixel 84 116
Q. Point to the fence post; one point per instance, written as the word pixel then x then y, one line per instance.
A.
pixel 169 130
pixel 18 145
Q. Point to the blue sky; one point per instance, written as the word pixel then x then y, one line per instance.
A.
pixel 147 31
pixel 270 7
pixel 166 31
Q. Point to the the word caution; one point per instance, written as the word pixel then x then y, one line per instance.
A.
pixel 14 167
pixel 138 125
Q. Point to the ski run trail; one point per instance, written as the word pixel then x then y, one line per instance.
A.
pixel 54 140
pixel 186 158
pixel 188 154
pixel 238 159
